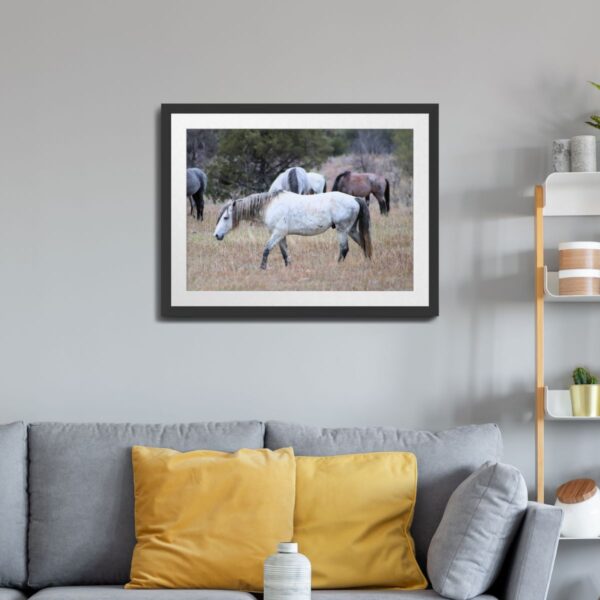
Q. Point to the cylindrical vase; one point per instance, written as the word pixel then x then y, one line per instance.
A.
pixel 583 153
pixel 287 574
pixel 561 156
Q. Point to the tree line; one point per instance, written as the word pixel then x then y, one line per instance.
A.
pixel 244 161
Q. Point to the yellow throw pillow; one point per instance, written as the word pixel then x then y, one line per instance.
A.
pixel 352 520
pixel 208 519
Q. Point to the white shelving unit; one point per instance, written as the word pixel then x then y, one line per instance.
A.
pixel 562 195
pixel 572 195
pixel 558 406
pixel 551 290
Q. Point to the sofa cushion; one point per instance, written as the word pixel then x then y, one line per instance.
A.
pixel 382 595
pixel 352 520
pixel 444 460
pixel 10 594
pixel 107 592
pixel 81 528
pixel 480 521
pixel 207 519
pixel 13 505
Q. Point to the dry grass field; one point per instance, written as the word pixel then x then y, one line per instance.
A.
pixel 233 264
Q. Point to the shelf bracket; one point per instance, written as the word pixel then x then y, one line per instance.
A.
pixel 539 342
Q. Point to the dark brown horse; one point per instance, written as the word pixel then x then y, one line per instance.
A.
pixel 363 185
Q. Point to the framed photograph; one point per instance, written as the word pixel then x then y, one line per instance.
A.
pixel 300 211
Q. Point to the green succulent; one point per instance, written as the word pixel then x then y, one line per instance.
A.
pixel 594 119
pixel 582 376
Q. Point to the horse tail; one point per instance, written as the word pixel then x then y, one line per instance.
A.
pixel 387 195
pixel 364 226
pixel 324 186
pixel 293 180
pixel 338 179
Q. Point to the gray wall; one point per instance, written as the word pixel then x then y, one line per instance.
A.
pixel 81 86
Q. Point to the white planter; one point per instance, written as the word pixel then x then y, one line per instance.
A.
pixel 582 519
pixel 583 153
pixel 287 574
pixel 561 156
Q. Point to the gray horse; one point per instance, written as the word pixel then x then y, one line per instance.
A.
pixel 196 188
pixel 295 179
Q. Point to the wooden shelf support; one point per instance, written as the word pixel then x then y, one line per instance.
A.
pixel 539 342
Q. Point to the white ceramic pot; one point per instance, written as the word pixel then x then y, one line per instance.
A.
pixel 581 519
pixel 583 153
pixel 287 574
pixel 561 156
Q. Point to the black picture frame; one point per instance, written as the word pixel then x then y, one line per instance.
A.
pixel 169 311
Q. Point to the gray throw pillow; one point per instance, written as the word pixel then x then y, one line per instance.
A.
pixel 475 533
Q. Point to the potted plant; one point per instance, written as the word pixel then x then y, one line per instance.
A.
pixel 594 119
pixel 585 394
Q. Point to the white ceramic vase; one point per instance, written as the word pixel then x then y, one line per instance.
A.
pixel 582 519
pixel 287 574
pixel 561 156
pixel 583 153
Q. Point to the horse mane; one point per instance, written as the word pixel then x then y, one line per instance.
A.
pixel 293 180
pixel 248 208
pixel 338 179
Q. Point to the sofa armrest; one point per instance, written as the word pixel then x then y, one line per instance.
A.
pixel 531 560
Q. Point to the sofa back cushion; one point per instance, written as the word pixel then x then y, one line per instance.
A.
pixel 444 460
pixel 82 528
pixel 13 505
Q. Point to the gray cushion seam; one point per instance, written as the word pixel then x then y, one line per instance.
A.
pixel 470 588
pixel 495 542
pixel 499 444
pixel 459 545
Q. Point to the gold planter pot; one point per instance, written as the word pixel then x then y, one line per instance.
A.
pixel 585 400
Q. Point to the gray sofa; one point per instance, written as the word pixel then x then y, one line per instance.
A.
pixel 67 504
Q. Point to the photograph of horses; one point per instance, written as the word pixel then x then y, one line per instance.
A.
pixel 321 211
